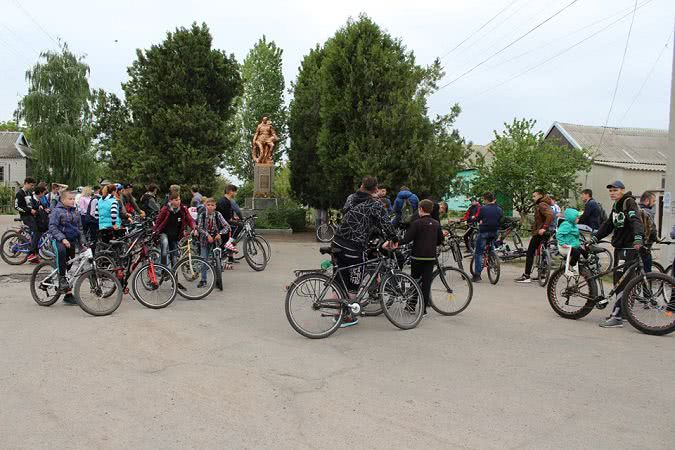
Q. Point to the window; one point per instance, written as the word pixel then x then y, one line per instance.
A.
pixel 2 174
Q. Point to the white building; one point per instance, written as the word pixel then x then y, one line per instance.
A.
pixel 15 158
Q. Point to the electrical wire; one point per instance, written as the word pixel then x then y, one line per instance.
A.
pixel 618 78
pixel 531 30
pixel 23 10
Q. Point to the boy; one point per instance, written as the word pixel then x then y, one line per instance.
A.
pixel 488 218
pixel 171 225
pixel 543 218
pixel 149 202
pixel 23 203
pixel 65 226
pixel 569 244
pixel 211 226
pixel 425 234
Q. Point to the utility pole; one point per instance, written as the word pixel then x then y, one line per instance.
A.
pixel 669 192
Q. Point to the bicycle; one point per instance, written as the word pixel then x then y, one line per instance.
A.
pixel 16 246
pixel 491 263
pixel 504 251
pixel 316 297
pixel 542 262
pixel 326 231
pixel 103 287
pixel 658 267
pixel 254 248
pixel 451 246
pixel 134 264
pixel 191 269
pixel 649 294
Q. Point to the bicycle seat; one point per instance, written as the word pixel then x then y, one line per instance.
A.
pixel 17 219
pixel 329 250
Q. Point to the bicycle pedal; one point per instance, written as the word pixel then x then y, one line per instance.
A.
pixel 602 303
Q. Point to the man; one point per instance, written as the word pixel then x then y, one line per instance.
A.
pixel 488 219
pixel 55 194
pixel 351 239
pixel 543 218
pixel 470 217
pixel 626 228
pixel 129 202
pixel 196 196
pixel 648 214
pixel 382 197
pixel 149 203
pixel 224 205
pixel 23 203
pixel 405 205
pixel 591 215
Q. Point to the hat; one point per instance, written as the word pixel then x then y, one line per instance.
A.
pixel 616 185
pixel 118 186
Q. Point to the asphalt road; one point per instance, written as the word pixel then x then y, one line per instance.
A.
pixel 229 372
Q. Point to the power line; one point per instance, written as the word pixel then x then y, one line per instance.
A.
pixel 479 29
pixel 618 78
pixel 557 55
pixel 649 74
pixel 16 36
pixel 18 5
pixel 509 45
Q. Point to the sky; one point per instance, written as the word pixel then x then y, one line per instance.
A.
pixel 519 81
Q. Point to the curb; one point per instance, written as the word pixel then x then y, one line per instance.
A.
pixel 274 231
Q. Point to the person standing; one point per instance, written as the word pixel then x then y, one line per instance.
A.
pixel 23 203
pixel 648 215
pixel 489 217
pixel 592 212
pixel 543 218
pixel 149 203
pixel 405 205
pixel 196 196
pixel 625 226
pixel 107 213
pixel 171 225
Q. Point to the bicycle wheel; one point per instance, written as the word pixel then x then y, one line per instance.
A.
pixel 325 233
pixel 196 277
pixel 472 265
pixel 543 268
pixel 605 260
pixel 517 241
pixel 657 267
pixel 44 284
pixel 308 316
pixel 154 285
pixel 648 302
pixel 105 262
pixel 457 254
pixel 14 249
pixel 268 247
pixel 254 252
pixel 494 268
pixel 98 292
pixel 402 300
pixel 46 251
pixel 573 297
pixel 454 298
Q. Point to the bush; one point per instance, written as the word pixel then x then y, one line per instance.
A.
pixel 7 200
pixel 287 215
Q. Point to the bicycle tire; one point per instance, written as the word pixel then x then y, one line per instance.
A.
pixel 457 255
pixel 192 274
pixel 253 247
pixel 218 268
pixel 543 268
pixel 333 319
pixel 163 274
pixel 657 267
pixel 517 241
pixel 388 303
pixel 325 233
pixel 472 265
pixel 451 295
pixel 494 268
pixel 46 251
pixel 50 299
pixel 553 291
pixel 112 302
pixel 630 294
pixel 610 260
pixel 268 247
pixel 12 257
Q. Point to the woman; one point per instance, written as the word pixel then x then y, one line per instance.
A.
pixel 107 213
pixel 85 199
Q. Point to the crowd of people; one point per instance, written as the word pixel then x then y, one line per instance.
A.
pixel 74 218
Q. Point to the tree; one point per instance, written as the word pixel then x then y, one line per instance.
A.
pixel 523 161
pixel 360 108
pixel 179 97
pixel 262 95
pixel 111 120
pixel 57 111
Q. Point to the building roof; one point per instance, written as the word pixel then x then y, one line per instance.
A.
pixel 13 144
pixel 627 148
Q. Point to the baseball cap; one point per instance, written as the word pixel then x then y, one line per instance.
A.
pixel 616 185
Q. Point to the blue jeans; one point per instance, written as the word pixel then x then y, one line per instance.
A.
pixel 482 239
pixel 168 246
pixel 204 252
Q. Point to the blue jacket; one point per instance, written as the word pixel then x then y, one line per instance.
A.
pixel 591 215
pixel 107 213
pixel 489 217
pixel 400 200
pixel 65 223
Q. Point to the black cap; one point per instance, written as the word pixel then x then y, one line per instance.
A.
pixel 616 185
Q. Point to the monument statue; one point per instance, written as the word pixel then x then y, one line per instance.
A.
pixel 264 139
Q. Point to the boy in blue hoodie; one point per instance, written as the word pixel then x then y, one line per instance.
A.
pixel 65 226
pixel 569 244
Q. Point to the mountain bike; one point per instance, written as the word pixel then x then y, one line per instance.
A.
pixel 15 246
pixel 97 291
pixel 648 299
pixel 317 303
pixel 252 247
pixel 491 263
pixel 326 231
pixel 511 228
pixel 195 276
pixel 451 247
pixel 543 262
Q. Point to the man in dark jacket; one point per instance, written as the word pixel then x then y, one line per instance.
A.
pixel 543 218
pixel 406 204
pixel 625 226
pixel 488 219
pixel 171 225
pixel 65 226
pixel 591 215
pixel 23 203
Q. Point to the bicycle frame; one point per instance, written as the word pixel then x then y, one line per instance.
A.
pixel 81 260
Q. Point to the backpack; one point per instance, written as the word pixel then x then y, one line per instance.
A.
pixel 406 211
pixel 646 219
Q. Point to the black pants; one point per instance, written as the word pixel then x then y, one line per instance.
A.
pixel 35 235
pixel 63 254
pixel 469 236
pixel 423 271
pixel 348 257
pixel 531 251
pixel 575 254
pixel 621 257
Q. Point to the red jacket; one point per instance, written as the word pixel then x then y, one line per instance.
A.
pixel 470 216
pixel 163 217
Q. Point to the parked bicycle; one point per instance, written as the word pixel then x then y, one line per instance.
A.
pixel 251 246
pixel 510 229
pixel 326 231
pixel 15 245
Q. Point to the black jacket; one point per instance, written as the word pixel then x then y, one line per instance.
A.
pixel 624 222
pixel 489 217
pixel 425 234
pixel 364 217
pixel 23 202
pixel 591 215
pixel 224 207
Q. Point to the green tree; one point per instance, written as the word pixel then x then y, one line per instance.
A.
pixel 523 161
pixel 263 95
pixel 179 97
pixel 110 121
pixel 57 111
pixel 360 107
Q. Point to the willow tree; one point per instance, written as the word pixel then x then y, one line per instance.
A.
pixel 57 111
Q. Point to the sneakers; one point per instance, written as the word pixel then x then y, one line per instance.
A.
pixel 476 279
pixel 349 322
pixel 612 322
pixel 523 279
pixel 63 285
pixel 230 246
pixel 33 258
pixel 69 299
pixel 201 284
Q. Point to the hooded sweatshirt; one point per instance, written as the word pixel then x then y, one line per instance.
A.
pixel 65 223
pixel 363 216
pixel 623 223
pixel 543 215
pixel 568 232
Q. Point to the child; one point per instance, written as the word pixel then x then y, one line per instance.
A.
pixel 211 225
pixel 425 234
pixel 65 226
pixel 171 225
pixel 568 240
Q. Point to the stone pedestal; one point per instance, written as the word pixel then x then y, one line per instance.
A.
pixel 263 177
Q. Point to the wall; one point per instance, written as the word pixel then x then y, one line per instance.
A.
pixel 636 181
pixel 15 170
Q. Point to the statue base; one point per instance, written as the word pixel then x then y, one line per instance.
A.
pixel 263 178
